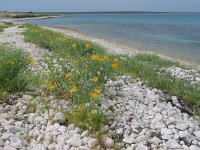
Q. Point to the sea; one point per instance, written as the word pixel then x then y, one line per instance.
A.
pixel 173 34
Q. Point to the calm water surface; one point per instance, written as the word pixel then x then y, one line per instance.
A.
pixel 172 34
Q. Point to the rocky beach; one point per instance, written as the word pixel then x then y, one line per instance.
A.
pixel 143 118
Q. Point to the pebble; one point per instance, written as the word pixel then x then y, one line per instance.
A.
pixel 75 141
pixel 182 126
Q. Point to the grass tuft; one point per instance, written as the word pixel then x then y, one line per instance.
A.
pixel 14 73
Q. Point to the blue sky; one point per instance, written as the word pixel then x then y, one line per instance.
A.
pixel 100 5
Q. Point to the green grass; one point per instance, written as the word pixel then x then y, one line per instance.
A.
pixel 2 27
pixel 13 67
pixel 14 73
pixel 82 69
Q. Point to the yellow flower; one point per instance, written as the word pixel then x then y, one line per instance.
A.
pixel 74 45
pixel 32 62
pixel 105 57
pixel 114 66
pixel 87 45
pixel 116 59
pixel 95 57
pixel 101 60
pixel 67 75
pixel 73 89
pixel 50 85
pixel 93 95
pixel 95 79
pixel 97 91
pixel 12 62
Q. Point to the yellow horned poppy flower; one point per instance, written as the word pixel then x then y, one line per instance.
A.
pixel 87 45
pixel 114 66
pixel 74 45
pixel 73 89
pixel 93 95
pixel 32 62
pixel 95 79
pixel 97 91
pixel 105 57
pixel 50 85
pixel 95 57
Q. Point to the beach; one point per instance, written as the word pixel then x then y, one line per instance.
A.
pixel 149 101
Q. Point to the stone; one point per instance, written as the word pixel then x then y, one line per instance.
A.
pixel 9 147
pixel 182 126
pixel 120 83
pixel 71 127
pixel 194 147
pixel 173 144
pixel 59 118
pixel 6 136
pixel 141 147
pixel 1 143
pixel 166 131
pixel 66 147
pixel 157 118
pixel 142 138
pixel 110 93
pixel 75 141
pixel 15 129
pixel 39 147
pixel 129 140
pixel 120 131
pixel 175 100
pixel 27 97
pixel 19 123
pixel 184 134
pixel 58 146
pixel 38 120
pixel 62 129
pixel 15 142
pixel 85 140
pixel 109 142
pixel 51 146
pixel 155 141
pixel 92 142
pixel 197 134
pixel 166 137
pixel 85 133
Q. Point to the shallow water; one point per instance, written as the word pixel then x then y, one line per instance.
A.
pixel 173 34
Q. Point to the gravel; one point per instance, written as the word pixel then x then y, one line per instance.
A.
pixel 146 119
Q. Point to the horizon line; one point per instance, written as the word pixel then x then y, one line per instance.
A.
pixel 101 11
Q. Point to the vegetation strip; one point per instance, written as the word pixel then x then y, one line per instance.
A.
pixel 142 66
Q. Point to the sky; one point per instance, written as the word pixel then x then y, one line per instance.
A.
pixel 100 5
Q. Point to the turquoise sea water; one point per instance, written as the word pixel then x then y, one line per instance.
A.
pixel 172 34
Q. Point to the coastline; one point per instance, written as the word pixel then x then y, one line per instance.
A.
pixel 116 48
pixel 21 20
